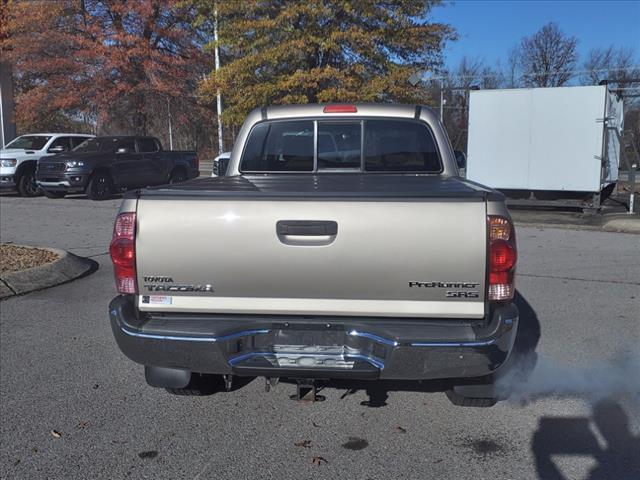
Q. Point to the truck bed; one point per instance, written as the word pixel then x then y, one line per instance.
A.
pixel 365 186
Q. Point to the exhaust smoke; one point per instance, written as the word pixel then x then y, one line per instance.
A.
pixel 550 378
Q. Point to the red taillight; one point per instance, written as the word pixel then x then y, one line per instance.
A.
pixel 123 252
pixel 502 258
pixel 340 109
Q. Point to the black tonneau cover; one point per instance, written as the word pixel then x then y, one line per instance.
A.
pixel 341 185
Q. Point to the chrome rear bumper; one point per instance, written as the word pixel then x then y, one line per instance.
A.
pixel 322 347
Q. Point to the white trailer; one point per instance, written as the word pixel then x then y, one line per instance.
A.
pixel 552 143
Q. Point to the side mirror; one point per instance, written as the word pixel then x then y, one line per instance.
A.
pixel 57 149
pixel 122 150
pixel 461 159
pixel 223 164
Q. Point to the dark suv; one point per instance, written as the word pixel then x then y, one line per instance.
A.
pixel 102 165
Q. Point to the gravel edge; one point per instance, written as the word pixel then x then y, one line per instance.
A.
pixel 66 268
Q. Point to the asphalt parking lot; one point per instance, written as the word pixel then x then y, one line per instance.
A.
pixel 579 418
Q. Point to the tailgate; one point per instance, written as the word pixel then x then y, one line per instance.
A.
pixel 393 258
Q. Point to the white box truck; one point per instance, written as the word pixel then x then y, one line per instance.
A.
pixel 552 143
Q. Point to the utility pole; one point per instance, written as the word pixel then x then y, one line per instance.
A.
pixel 7 105
pixel 217 67
pixel 170 129
pixel 442 99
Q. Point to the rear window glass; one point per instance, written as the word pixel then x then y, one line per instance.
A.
pixel 100 144
pixel 128 143
pixel 75 141
pixel 64 142
pixel 397 146
pixel 339 145
pixel 389 146
pixel 279 147
pixel 147 145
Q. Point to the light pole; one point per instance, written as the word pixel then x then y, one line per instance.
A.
pixel 442 99
pixel 217 67
pixel 416 79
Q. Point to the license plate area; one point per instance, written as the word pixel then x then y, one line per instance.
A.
pixel 293 349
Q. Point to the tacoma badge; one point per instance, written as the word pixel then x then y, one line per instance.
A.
pixel 165 284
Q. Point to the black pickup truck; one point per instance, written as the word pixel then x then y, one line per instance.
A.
pixel 102 165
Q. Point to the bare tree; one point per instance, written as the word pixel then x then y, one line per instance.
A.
pixel 613 64
pixel 632 134
pixel 623 70
pixel 475 73
pixel 469 73
pixel 513 61
pixel 596 65
pixel 547 57
pixel 492 78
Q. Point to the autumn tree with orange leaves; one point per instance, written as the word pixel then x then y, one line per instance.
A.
pixel 291 51
pixel 116 65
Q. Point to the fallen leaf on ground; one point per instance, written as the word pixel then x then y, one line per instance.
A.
pixel 401 430
pixel 56 433
pixel 318 460
pixel 303 444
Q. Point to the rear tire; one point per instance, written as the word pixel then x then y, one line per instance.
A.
pixel 100 187
pixel 27 186
pixel 178 176
pixel 50 194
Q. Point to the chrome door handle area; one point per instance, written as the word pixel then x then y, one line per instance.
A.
pixel 307 232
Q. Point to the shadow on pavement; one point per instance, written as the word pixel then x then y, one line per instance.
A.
pixel 619 459
pixel 206 384
pixel 71 196
pixel 82 196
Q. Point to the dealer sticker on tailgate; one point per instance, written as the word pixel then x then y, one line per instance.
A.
pixel 157 299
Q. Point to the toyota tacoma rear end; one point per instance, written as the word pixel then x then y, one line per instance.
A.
pixel 343 244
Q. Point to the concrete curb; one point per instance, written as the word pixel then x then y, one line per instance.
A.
pixel 624 225
pixel 68 267
pixel 618 223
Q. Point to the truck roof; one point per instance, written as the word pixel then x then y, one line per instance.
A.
pixel 56 134
pixel 391 110
pixel 120 137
